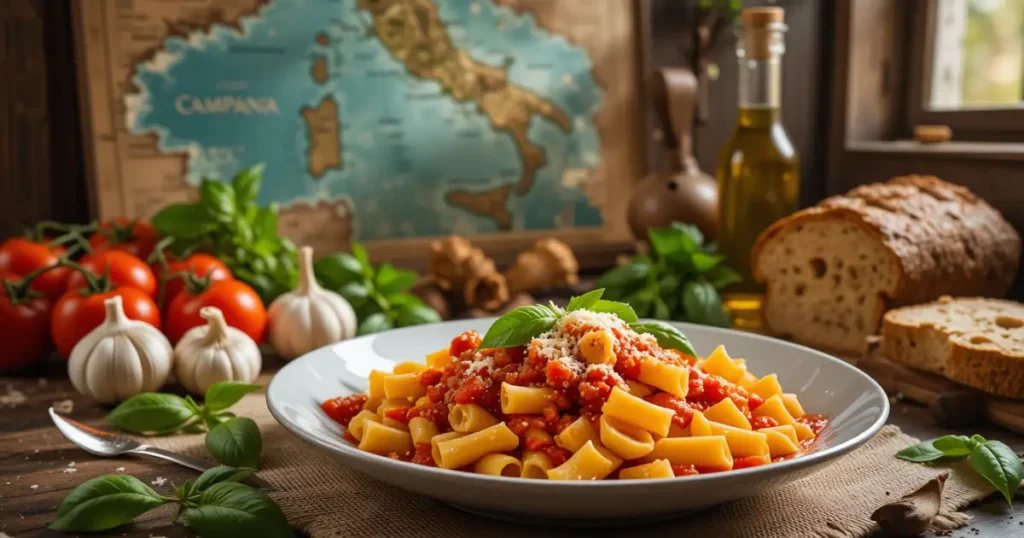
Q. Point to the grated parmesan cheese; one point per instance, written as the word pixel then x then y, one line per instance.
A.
pixel 608 370
pixel 480 363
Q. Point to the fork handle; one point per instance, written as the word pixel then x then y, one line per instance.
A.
pixel 191 462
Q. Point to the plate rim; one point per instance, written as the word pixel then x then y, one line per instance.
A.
pixel 794 464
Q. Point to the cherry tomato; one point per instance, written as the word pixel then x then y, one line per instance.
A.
pixel 136 237
pixel 200 266
pixel 19 257
pixel 240 304
pixel 123 270
pixel 78 312
pixel 24 327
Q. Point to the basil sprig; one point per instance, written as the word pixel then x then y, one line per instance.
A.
pixel 993 460
pixel 520 326
pixel 215 505
pixel 680 280
pixel 231 440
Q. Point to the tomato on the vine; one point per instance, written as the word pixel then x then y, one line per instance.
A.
pixel 121 268
pixel 198 266
pixel 80 311
pixel 239 303
pixel 24 325
pixel 19 257
pixel 136 237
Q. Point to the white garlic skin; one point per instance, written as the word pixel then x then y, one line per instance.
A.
pixel 215 352
pixel 308 317
pixel 120 358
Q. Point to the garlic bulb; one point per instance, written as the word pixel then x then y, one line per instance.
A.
pixel 120 358
pixel 215 352
pixel 309 316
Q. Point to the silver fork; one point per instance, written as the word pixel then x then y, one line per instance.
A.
pixel 106 444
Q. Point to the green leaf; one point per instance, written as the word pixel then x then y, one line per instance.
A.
pixel 519 326
pixel 660 309
pixel 374 323
pixel 416 314
pixel 355 293
pixel 668 242
pixel 236 442
pixel 152 412
pixel 363 257
pixel 225 394
pixel 976 440
pixel 246 184
pixel 220 474
pixel 218 198
pixel 691 232
pixel 622 310
pixel 104 503
pixel 187 490
pixel 231 509
pixel 390 280
pixel 920 453
pixel 183 221
pixel 721 276
pixel 264 227
pixel 999 465
pixel 668 285
pixel 703 305
pixel 667 335
pixel 703 263
pixel 213 421
pixel 585 301
pixel 953 446
pixel 625 276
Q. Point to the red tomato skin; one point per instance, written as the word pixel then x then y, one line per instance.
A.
pixel 19 257
pixel 144 238
pixel 201 265
pixel 76 314
pixel 240 304
pixel 24 331
pixel 126 271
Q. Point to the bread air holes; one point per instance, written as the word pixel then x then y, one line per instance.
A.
pixel 1007 322
pixel 799 290
pixel 979 339
pixel 818 267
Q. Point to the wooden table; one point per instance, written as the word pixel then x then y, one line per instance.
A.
pixel 36 462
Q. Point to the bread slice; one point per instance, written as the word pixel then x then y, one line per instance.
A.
pixel 974 341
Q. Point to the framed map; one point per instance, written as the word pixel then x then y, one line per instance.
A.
pixel 390 122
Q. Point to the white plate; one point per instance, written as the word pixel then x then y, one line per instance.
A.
pixel 855 405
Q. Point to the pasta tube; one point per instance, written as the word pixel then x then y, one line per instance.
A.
pixel 638 412
pixel 655 469
pixel 464 450
pixel 524 400
pixel 469 418
pixel 498 465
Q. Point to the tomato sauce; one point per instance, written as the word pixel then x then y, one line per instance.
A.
pixel 342 409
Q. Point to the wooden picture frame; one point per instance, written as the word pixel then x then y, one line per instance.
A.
pixel 129 176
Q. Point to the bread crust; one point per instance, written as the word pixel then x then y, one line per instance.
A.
pixel 986 370
pixel 943 239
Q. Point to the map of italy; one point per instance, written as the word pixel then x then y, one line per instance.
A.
pixel 418 117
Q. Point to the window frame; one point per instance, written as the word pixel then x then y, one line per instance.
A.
pixel 974 123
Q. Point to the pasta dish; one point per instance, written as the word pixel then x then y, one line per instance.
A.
pixel 594 395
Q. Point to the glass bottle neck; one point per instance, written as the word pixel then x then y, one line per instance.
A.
pixel 760 83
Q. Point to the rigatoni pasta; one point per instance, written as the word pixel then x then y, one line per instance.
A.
pixel 589 399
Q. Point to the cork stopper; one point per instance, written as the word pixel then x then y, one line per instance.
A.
pixel 761 29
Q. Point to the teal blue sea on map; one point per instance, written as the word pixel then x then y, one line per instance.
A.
pixel 231 99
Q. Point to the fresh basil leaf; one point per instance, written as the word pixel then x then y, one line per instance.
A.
pixel 668 242
pixel 183 221
pixel 710 248
pixel 246 184
pixel 585 301
pixel 624 276
pixel 920 453
pixel 953 446
pixel 703 263
pixel 220 474
pixel 236 442
pixel 218 199
pixel 363 257
pixel 668 285
pixel 187 490
pixel 403 299
pixel 223 395
pixel 230 509
pixel 977 440
pixel 691 232
pixel 703 305
pixel 622 310
pixel 264 227
pixel 721 276
pixel 667 335
pixel 152 412
pixel 519 326
pixel 390 280
pixel 410 315
pixel 374 323
pixel 999 465
pixel 104 503
pixel 660 309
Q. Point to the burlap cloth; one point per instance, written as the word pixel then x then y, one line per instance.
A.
pixel 325 499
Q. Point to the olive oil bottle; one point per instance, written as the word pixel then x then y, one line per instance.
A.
pixel 758 169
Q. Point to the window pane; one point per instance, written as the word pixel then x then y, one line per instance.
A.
pixel 979 54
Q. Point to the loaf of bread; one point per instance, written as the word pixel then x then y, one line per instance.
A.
pixel 977 342
pixel 832 270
